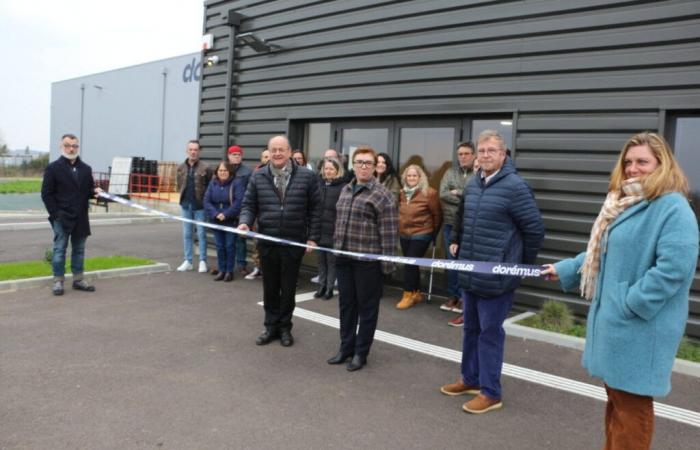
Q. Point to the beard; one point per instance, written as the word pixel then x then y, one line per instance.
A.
pixel 69 156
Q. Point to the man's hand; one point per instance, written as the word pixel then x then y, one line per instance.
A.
pixel 220 217
pixel 98 190
pixel 454 192
pixel 312 244
pixel 243 227
pixel 453 249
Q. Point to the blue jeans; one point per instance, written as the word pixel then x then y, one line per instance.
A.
pixel 483 341
pixel 452 275
pixel 77 257
pixel 225 250
pixel 241 252
pixel 194 214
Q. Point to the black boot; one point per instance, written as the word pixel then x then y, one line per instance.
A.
pixel 320 292
pixel 356 363
pixel 286 338
pixel 267 336
pixel 338 358
pixel 219 277
pixel 329 294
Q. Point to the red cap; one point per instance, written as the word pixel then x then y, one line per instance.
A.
pixel 235 149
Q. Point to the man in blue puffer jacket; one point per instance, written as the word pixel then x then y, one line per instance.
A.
pixel 498 221
pixel 285 200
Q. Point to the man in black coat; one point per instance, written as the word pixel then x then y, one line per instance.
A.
pixel 66 191
pixel 285 199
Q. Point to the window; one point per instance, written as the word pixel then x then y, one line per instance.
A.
pixel 686 136
pixel 503 126
pixel 316 141
pixel 430 147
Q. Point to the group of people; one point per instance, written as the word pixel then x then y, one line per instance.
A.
pixel 636 271
pixel 215 196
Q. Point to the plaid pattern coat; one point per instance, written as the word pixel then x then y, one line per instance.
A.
pixel 367 221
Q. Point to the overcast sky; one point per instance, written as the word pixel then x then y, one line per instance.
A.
pixel 43 41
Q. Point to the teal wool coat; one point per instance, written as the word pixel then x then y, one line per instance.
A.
pixel 640 307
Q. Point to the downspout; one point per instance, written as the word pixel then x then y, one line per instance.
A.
pixel 82 113
pixel 162 113
pixel 233 20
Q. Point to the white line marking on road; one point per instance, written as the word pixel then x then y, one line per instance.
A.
pixel 676 414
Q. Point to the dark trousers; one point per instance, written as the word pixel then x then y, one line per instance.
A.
pixel 411 274
pixel 483 341
pixel 326 269
pixel 359 290
pixel 225 249
pixel 452 275
pixel 241 252
pixel 629 420
pixel 280 265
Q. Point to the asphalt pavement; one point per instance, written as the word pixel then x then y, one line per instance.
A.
pixel 168 361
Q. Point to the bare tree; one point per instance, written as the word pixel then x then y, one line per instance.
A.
pixel 3 146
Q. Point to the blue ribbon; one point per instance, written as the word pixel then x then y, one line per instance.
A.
pixel 493 268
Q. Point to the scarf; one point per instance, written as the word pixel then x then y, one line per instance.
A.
pixel 281 177
pixel 614 205
pixel 409 192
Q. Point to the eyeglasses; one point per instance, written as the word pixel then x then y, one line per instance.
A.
pixel 76 146
pixel 359 163
pixel 488 151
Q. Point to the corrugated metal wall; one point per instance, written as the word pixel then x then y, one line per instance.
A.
pixel 578 76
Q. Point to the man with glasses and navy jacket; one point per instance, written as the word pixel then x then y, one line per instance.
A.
pixel 498 221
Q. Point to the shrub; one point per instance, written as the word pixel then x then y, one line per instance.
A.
pixel 556 316
pixel 48 255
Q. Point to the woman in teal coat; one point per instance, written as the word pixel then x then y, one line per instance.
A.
pixel 637 272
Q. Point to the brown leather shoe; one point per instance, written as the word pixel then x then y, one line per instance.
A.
pixel 459 388
pixel 481 404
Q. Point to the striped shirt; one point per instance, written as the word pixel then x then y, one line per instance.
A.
pixel 367 221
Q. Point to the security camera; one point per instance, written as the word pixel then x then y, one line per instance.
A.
pixel 211 61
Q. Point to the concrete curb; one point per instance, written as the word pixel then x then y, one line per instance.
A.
pixel 21 226
pixel 29 283
pixel 513 329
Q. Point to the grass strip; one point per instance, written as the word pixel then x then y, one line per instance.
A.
pixel 688 350
pixel 23 186
pixel 32 269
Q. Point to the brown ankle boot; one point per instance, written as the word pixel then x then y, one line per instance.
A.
pixel 405 301
pixel 416 297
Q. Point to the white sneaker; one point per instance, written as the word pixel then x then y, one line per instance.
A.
pixel 315 279
pixel 254 274
pixel 185 267
pixel 203 267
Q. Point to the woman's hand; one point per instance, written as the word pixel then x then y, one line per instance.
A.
pixel 220 217
pixel 550 273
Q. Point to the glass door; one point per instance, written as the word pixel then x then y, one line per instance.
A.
pixel 430 144
pixel 347 136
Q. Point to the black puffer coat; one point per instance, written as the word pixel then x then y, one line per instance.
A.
pixel 297 219
pixel 329 198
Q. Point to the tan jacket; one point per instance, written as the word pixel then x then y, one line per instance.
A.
pixel 422 215
pixel 202 176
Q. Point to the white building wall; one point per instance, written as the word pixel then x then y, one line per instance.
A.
pixel 123 112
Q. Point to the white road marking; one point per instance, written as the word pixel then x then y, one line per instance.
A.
pixel 674 413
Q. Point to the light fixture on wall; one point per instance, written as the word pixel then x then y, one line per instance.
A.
pixel 258 44
pixel 211 60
